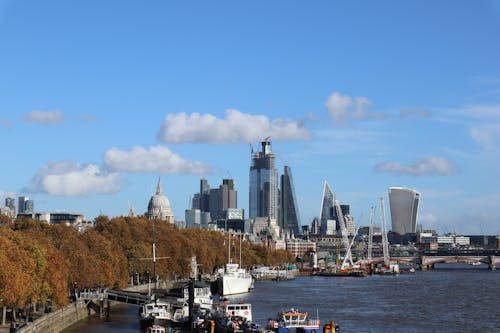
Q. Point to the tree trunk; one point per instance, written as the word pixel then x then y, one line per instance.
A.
pixel 4 315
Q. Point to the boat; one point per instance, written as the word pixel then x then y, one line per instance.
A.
pixel 233 280
pixel 264 273
pixel 233 318
pixel 156 329
pixel 156 312
pixel 294 319
pixel 475 263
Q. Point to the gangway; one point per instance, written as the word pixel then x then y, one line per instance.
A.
pixel 121 296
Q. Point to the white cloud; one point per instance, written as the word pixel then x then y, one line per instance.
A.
pixel 157 159
pixel 44 117
pixel 337 106
pixel 234 127
pixel 343 109
pixel 67 178
pixel 432 165
pixel 487 136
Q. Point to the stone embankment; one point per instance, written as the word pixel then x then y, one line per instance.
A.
pixel 58 320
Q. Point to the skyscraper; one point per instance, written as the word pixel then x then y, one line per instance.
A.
pixel 404 209
pixel 327 208
pixel 215 201
pixel 228 196
pixel 25 205
pixel 289 218
pixel 264 197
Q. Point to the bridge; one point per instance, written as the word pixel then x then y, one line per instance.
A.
pixel 428 261
pixel 98 300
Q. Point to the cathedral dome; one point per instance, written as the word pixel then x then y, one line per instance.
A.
pixel 159 206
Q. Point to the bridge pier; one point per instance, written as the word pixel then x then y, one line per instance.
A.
pixel 492 264
pixel 424 265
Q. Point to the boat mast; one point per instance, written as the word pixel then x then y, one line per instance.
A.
pixel 240 249
pixel 229 249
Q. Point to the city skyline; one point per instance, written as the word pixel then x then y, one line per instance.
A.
pixel 99 99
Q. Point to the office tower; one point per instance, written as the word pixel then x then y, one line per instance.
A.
pixel 193 218
pixel 327 210
pixel 11 204
pixel 25 205
pixel 263 196
pixel 29 206
pixel 214 202
pixel 404 209
pixel 204 195
pixel 289 217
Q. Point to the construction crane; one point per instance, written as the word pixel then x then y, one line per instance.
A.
pixel 370 234
pixel 345 237
pixel 385 242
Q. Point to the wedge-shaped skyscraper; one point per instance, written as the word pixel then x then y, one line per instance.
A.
pixel 290 220
pixel 404 209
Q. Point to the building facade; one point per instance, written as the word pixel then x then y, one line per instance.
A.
pixel 289 217
pixel 159 206
pixel 404 209
pixel 264 191
pixel 327 210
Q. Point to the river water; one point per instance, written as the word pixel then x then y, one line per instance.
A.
pixel 451 298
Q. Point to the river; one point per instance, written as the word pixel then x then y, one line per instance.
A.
pixel 451 298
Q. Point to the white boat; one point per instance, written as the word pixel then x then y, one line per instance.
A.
pixel 234 280
pixel 155 313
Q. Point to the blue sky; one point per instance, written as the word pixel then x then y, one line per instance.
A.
pixel 99 98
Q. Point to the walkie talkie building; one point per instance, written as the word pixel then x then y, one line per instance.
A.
pixel 404 209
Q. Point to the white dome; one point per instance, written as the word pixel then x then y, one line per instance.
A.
pixel 159 206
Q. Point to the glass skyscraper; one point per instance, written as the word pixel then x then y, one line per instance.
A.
pixel 289 219
pixel 404 209
pixel 264 192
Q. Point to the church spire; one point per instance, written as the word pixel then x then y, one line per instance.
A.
pixel 158 187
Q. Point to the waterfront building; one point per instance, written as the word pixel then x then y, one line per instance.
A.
pixel 159 206
pixel 404 209
pixel 289 217
pixel 299 247
pixel 263 191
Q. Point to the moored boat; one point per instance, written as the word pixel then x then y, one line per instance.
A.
pixel 156 329
pixel 294 319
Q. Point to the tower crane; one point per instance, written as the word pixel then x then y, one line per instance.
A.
pixel 345 237
pixel 385 243
pixel 370 234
